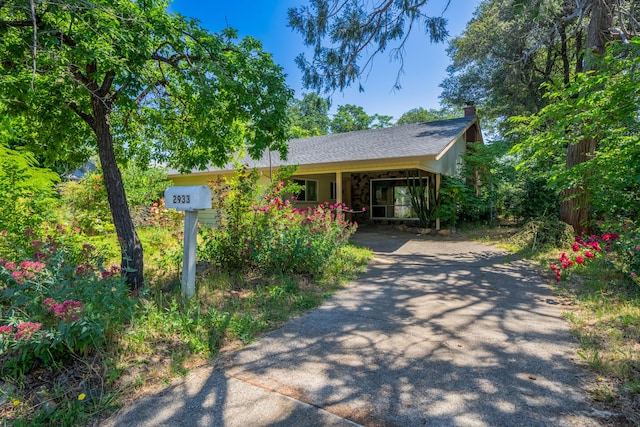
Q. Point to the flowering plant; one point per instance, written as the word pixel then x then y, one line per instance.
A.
pixel 584 250
pixel 50 306
pixel 269 233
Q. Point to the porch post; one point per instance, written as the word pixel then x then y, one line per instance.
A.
pixel 339 192
pixel 437 195
pixel 338 187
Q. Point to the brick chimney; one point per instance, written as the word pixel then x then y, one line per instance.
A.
pixel 469 109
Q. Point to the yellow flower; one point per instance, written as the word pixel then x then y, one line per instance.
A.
pixel 81 396
pixel 16 402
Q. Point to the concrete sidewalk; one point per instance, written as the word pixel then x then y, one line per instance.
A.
pixel 437 332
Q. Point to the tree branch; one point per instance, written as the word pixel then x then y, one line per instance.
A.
pixel 88 118
pixel 77 74
pixel 106 84
pixel 34 48
pixel 147 91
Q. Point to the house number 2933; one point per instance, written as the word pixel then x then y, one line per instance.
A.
pixel 181 198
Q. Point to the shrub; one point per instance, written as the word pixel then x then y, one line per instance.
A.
pixel 52 306
pixel 584 249
pixel 628 250
pixel 86 200
pixel 27 198
pixel 270 234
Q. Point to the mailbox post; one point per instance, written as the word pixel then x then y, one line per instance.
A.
pixel 189 199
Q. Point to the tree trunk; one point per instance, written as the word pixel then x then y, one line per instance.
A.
pixel 132 258
pixel 574 209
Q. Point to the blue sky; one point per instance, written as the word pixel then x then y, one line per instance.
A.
pixel 266 20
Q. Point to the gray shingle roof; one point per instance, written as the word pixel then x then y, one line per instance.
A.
pixel 396 142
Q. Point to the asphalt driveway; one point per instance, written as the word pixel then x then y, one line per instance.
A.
pixel 437 332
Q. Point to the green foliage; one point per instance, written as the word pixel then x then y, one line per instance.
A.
pixel 86 200
pixel 451 200
pixel 132 80
pixel 267 233
pixel 423 199
pixel 503 72
pixel 27 197
pixel 340 32
pixel 309 116
pixel 52 307
pixel 602 106
pixel 198 96
pixel 420 115
pixel 350 118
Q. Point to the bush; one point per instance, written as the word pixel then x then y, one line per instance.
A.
pixel 628 250
pixel 27 198
pixel 270 234
pixel 86 200
pixel 58 303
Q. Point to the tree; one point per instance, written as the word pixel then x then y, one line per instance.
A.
pixel 349 118
pixel 604 108
pixel 309 116
pixel 513 50
pixel 421 115
pixel 574 209
pixel 380 121
pixel 509 49
pixel 128 78
pixel 343 32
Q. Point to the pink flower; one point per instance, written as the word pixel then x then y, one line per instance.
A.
pixel 589 254
pixel 6 330
pixel 10 265
pixel 579 260
pixel 26 330
pixel 68 311
pixel 575 247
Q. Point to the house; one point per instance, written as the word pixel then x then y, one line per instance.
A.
pixel 367 170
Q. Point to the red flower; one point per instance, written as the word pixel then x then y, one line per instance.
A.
pixel 575 247
pixel 579 260
pixel 589 255
pixel 594 245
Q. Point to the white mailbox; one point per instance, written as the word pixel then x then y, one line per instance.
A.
pixel 188 198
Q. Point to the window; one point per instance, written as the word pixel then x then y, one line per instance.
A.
pixel 309 192
pixel 390 198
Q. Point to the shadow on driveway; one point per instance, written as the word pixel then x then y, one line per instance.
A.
pixel 437 332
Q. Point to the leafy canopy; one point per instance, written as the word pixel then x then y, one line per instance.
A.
pixel 601 105
pixel 178 93
pixel 420 115
pixel 309 116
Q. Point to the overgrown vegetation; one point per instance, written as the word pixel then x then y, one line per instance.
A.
pixel 263 231
pixel 74 341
